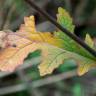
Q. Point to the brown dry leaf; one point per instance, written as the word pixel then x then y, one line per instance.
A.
pixel 3 42
pixel 21 43
pixel 14 54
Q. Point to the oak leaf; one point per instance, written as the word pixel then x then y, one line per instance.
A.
pixel 70 49
pixel 21 43
pixel 56 48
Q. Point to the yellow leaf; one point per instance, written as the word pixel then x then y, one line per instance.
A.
pixel 19 44
pixel 89 41
pixel 53 57
pixel 28 30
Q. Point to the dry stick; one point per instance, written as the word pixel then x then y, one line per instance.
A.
pixel 25 79
pixel 38 83
pixel 73 36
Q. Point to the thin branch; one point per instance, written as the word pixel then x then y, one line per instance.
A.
pixel 38 83
pixel 24 79
pixel 73 36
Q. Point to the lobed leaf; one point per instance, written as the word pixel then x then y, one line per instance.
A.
pixel 21 43
pixel 56 48
pixel 89 41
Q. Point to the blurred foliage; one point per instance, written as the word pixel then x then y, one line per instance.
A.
pixel 12 13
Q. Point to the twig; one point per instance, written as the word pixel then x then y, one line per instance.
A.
pixel 38 83
pixel 24 79
pixel 73 36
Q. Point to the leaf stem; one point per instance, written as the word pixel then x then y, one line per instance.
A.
pixel 52 20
